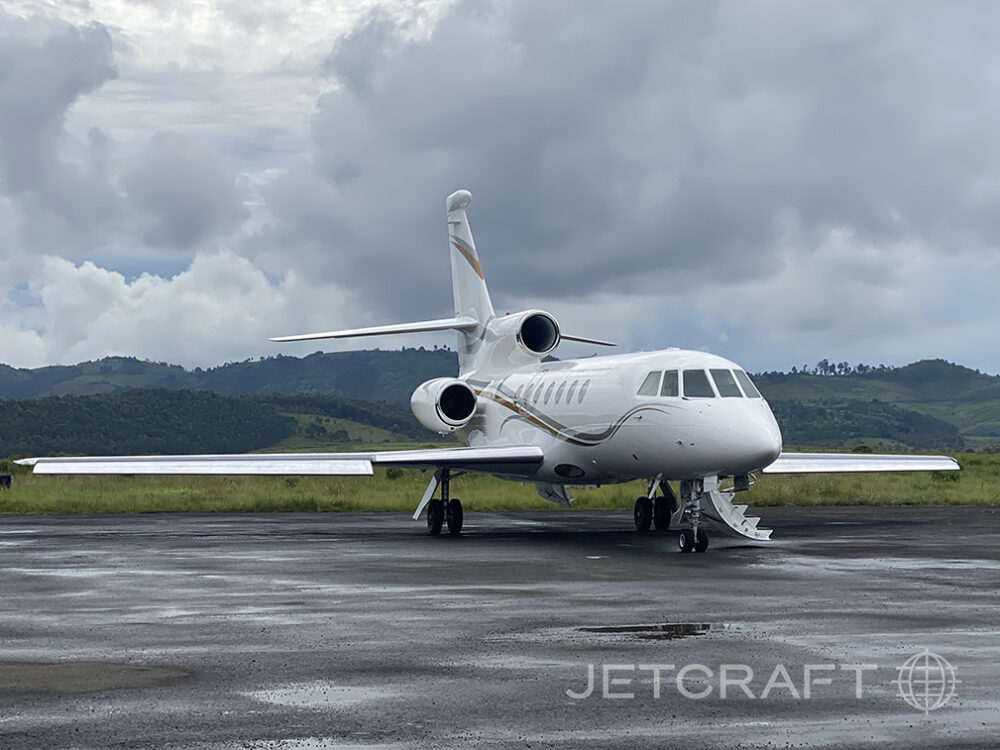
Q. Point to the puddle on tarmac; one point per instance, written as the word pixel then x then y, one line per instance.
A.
pixel 82 677
pixel 321 695
pixel 667 631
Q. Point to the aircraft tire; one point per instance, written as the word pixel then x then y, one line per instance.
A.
pixel 643 514
pixel 686 540
pixel 435 516
pixel 663 509
pixel 701 543
pixel 454 516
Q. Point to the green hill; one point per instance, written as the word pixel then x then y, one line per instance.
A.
pixel 369 375
pixel 340 398
pixel 928 404
pixel 141 421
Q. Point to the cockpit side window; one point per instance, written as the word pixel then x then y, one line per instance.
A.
pixel 696 384
pixel 670 386
pixel 725 383
pixel 748 387
pixel 651 385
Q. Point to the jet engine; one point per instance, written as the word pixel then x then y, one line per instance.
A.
pixel 443 404
pixel 536 332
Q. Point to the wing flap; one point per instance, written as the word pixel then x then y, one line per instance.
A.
pixel 821 463
pixel 501 455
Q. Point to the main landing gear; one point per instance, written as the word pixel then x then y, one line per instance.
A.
pixel 655 512
pixel 444 511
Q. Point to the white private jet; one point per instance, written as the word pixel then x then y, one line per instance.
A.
pixel 687 416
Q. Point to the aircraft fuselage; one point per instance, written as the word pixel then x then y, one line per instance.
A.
pixel 604 419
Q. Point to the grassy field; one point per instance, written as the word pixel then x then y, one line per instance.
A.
pixel 399 490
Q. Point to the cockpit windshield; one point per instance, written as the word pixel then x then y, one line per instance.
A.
pixel 748 387
pixel 726 384
pixel 696 384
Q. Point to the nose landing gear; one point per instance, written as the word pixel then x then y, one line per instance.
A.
pixel 690 541
pixel 694 539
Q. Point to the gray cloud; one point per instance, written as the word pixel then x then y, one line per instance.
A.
pixel 668 144
pixel 182 192
pixel 61 187
pixel 45 66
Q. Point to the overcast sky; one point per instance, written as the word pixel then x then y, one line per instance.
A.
pixel 776 182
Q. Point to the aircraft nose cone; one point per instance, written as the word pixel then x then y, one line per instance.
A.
pixel 770 441
pixel 760 441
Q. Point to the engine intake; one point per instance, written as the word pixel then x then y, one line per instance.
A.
pixel 538 333
pixel 443 404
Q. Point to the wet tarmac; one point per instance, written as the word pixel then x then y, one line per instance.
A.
pixel 855 627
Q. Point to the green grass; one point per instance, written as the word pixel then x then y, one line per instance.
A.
pixel 398 490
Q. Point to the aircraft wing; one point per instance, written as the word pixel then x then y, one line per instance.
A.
pixel 822 463
pixel 499 458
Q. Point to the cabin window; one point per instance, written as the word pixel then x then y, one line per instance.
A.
pixel 725 383
pixel 548 392
pixel 569 393
pixel 670 386
pixel 748 387
pixel 696 384
pixel 559 392
pixel 517 393
pixel 583 391
pixel 650 385
pixel 538 393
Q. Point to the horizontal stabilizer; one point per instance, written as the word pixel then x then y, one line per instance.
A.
pixel 443 324
pixel 515 458
pixel 822 463
pixel 582 340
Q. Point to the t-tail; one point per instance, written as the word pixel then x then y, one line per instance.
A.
pixel 472 298
pixel 514 339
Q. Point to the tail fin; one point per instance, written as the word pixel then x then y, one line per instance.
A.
pixel 473 309
pixel 472 298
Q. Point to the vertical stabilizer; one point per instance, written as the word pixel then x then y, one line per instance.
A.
pixel 472 299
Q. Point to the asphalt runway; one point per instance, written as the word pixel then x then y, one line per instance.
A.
pixel 359 630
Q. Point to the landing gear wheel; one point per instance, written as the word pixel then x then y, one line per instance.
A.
pixel 454 515
pixel 663 509
pixel 643 514
pixel 686 540
pixel 701 543
pixel 435 516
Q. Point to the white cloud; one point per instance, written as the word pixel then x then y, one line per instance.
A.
pixel 221 308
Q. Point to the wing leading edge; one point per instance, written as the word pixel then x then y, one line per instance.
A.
pixel 506 458
pixel 822 463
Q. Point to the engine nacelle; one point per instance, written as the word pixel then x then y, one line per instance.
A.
pixel 536 331
pixel 443 404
